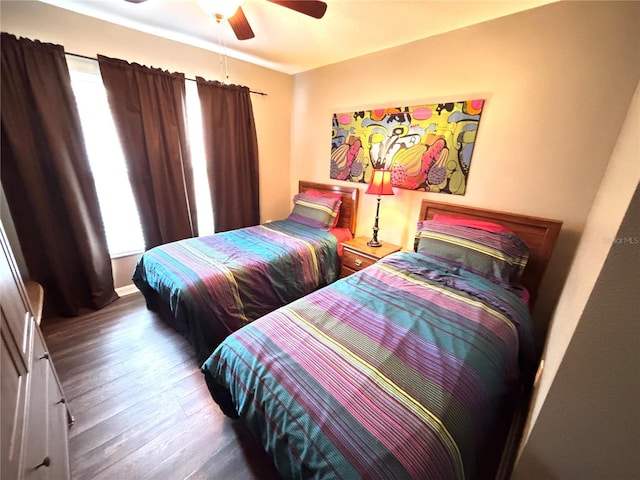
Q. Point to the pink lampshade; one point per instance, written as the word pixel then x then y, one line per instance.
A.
pixel 380 183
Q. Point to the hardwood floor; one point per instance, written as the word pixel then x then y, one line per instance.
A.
pixel 140 403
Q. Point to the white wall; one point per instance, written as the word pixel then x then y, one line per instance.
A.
pixel 589 425
pixel 618 185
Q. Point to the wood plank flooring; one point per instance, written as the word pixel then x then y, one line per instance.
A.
pixel 141 407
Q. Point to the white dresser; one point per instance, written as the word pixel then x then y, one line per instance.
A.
pixel 35 417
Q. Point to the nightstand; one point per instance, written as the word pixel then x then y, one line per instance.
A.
pixel 358 255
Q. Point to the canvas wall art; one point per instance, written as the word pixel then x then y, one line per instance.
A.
pixel 426 147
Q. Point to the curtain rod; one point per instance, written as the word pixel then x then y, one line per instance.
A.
pixel 186 78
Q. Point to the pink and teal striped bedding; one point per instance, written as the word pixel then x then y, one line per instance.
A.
pixel 398 371
pixel 216 284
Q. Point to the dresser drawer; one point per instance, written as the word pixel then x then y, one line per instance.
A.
pixel 358 254
pixel 37 432
pixel 33 441
pixel 58 432
pixel 46 454
pixel 345 272
pixel 356 261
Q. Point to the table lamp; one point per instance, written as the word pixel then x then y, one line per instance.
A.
pixel 380 184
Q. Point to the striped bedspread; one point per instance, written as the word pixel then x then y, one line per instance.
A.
pixel 397 371
pixel 216 284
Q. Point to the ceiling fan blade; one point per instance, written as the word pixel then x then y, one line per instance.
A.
pixel 313 8
pixel 240 25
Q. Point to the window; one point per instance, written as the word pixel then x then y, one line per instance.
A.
pixel 201 183
pixel 119 211
pixel 117 206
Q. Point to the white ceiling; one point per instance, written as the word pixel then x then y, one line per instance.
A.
pixel 290 42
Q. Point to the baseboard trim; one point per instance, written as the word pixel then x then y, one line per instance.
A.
pixel 126 290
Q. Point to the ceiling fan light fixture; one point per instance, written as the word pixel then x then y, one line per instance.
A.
pixel 220 9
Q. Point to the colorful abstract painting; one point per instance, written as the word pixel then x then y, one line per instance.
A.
pixel 426 147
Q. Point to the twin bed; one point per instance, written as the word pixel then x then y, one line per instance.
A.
pixel 208 287
pixel 410 368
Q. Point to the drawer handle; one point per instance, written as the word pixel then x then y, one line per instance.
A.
pixel 45 463
pixel 358 262
pixel 44 357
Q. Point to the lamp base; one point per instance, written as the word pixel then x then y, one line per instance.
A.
pixel 374 243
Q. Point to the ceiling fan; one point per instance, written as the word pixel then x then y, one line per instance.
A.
pixel 231 10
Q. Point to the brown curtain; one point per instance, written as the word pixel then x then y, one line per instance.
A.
pixel 149 110
pixel 47 179
pixel 231 148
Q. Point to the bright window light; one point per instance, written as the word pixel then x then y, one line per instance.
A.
pixel 117 206
pixel 196 142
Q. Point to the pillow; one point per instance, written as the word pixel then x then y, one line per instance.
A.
pixel 314 210
pixel 336 196
pixel 498 256
pixel 470 222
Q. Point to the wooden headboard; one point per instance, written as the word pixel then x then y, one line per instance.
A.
pixel 540 235
pixel 349 208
